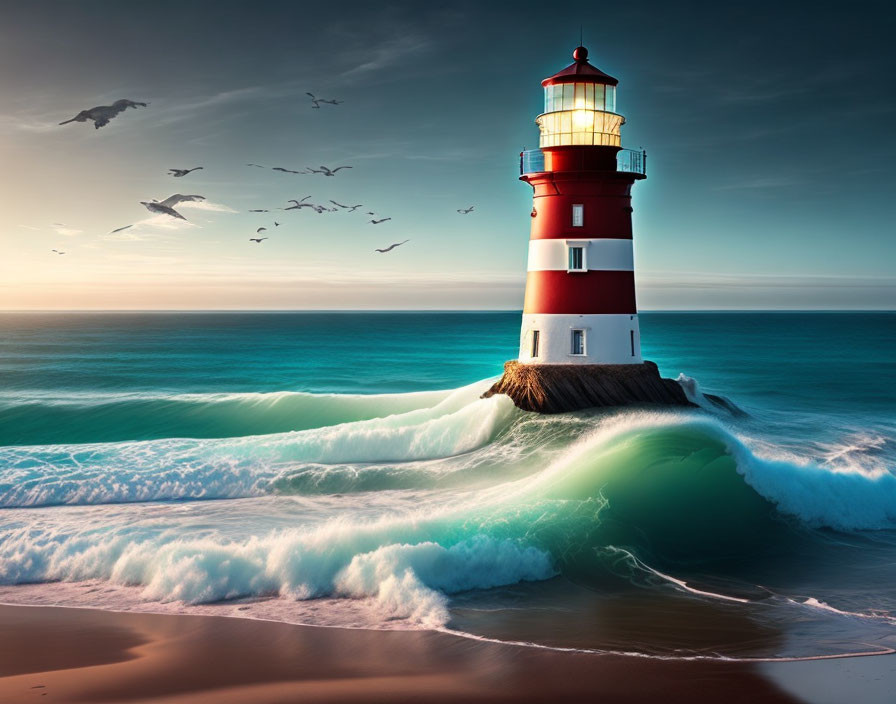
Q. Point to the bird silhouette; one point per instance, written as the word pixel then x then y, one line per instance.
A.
pixel 120 229
pixel 257 239
pixel 327 171
pixel 171 201
pixel 300 204
pixel 465 211
pixel 101 114
pixel 390 247
pixel 315 102
pixel 276 224
pixel 166 207
pixel 260 210
pixel 349 208
pixel 57 251
pixel 177 173
pixel 286 171
pixel 261 229
pixel 377 222
pixel 160 209
pixel 257 166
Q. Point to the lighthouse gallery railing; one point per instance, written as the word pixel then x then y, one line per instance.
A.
pixel 627 160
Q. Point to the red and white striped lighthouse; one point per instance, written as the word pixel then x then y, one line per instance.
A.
pixel 580 288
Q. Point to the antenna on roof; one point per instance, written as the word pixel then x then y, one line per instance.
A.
pixel 581 40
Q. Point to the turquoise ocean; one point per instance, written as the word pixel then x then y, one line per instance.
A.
pixel 342 469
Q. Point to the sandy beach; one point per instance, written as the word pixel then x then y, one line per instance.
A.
pixel 73 655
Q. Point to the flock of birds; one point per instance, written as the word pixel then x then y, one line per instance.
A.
pixel 102 114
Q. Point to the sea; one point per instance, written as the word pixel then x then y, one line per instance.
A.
pixel 341 469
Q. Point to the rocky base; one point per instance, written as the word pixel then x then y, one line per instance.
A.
pixel 558 388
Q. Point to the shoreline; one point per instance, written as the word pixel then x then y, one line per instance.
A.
pixel 70 654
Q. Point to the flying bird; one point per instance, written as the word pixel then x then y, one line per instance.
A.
pixel 349 208
pixel 276 224
pixel 465 211
pixel 390 247
pixel 261 229
pixel 315 102
pixel 120 229
pixel 166 207
pixel 257 166
pixel 260 210
pixel 101 114
pixel 257 239
pixel 58 252
pixel 377 222
pixel 286 171
pixel 326 171
pixel 300 204
pixel 161 209
pixel 171 201
pixel 177 173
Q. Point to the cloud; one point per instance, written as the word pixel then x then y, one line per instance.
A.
pixel 760 183
pixel 62 229
pixel 205 205
pixel 387 54
pixel 702 291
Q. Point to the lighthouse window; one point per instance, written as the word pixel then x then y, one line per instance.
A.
pixel 579 96
pixel 578 342
pixel 536 339
pixel 578 215
pixel 576 259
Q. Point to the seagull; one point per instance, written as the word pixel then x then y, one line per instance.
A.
pixel 286 171
pixel 300 204
pixel 327 172
pixel 257 166
pixel 257 239
pixel 261 229
pixel 177 173
pixel 390 247
pixel 260 210
pixel 101 114
pixel 166 207
pixel 349 208
pixel 171 201
pixel 155 207
pixel 315 102
pixel 377 222
pixel 276 224
pixel 58 252
pixel 465 211
pixel 120 229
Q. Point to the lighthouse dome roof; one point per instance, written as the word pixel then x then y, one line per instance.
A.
pixel 580 71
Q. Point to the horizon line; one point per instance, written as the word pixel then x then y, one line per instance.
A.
pixel 428 310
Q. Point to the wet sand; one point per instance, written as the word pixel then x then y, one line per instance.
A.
pixel 51 654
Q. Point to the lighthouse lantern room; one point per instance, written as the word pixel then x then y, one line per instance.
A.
pixel 580 288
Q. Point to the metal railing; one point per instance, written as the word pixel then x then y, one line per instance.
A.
pixel 531 161
pixel 631 162
pixel 627 161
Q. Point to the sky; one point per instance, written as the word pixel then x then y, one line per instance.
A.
pixel 769 129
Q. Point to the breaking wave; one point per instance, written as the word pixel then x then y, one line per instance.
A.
pixel 529 497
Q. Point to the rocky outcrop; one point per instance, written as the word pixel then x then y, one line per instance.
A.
pixel 558 388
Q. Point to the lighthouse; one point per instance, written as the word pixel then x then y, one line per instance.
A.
pixel 580 343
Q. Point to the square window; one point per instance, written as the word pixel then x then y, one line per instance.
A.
pixel 578 215
pixel 577 346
